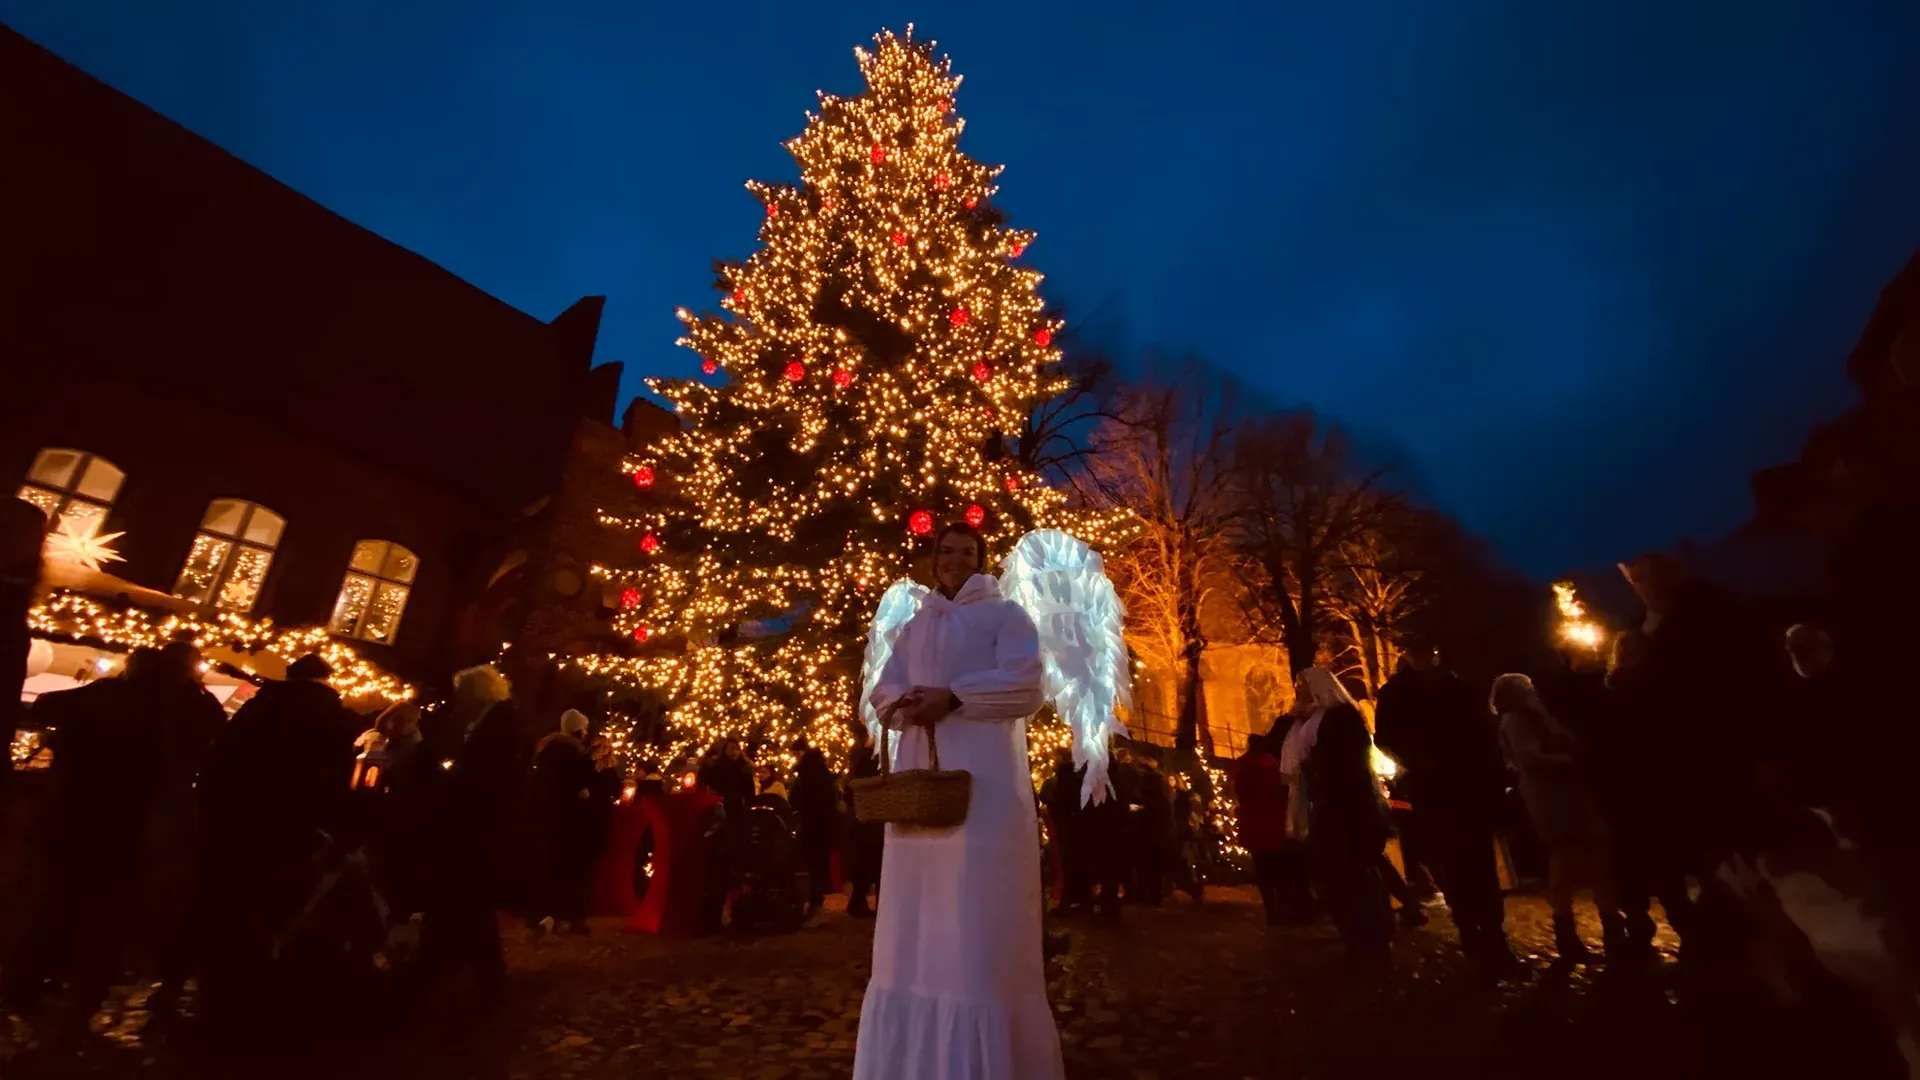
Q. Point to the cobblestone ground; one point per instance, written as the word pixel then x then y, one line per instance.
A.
pixel 1179 991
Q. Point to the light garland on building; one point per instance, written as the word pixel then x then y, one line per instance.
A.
pixel 873 358
pixel 76 617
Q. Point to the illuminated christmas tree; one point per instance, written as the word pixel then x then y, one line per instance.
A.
pixel 862 385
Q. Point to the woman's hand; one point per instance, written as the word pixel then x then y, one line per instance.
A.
pixel 925 706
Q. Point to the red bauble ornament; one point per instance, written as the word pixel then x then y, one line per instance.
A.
pixel 772 209
pixel 972 202
pixel 981 372
pixel 1043 337
pixel 709 366
pixel 878 154
pixel 649 543
pixel 959 316
pixel 899 238
pixel 796 371
pixel 946 104
pixel 826 204
pixel 976 514
pixel 739 295
pixel 842 377
pixel 643 476
pixel 920 523
pixel 1013 483
pixel 630 599
pixel 641 633
pixel 941 180
pixel 1018 249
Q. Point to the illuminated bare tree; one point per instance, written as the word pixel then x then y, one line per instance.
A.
pixel 1165 454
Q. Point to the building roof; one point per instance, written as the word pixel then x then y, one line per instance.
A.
pixel 138 251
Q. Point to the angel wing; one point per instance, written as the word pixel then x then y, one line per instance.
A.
pixel 1063 586
pixel 897 605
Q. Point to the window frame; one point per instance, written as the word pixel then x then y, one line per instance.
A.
pixel 236 540
pixel 381 579
pixel 69 493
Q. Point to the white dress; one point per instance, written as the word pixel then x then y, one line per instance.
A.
pixel 959 988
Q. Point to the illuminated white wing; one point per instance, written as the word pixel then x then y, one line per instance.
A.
pixel 897 605
pixel 1062 585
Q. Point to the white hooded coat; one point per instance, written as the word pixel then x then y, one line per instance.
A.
pixel 959 980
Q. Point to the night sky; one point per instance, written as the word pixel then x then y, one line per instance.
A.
pixel 1582 265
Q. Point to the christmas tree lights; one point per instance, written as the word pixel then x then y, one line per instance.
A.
pixel 874 359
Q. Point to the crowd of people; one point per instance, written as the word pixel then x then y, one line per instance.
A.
pixel 279 857
pixel 1701 759
pixel 269 856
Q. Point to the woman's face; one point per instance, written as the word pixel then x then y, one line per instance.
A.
pixel 731 750
pixel 955 560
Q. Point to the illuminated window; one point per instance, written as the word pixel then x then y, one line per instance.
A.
pixel 72 486
pixel 230 555
pixel 374 594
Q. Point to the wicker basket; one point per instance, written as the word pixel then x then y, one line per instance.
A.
pixel 913 798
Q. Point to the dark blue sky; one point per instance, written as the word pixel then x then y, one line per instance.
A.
pixel 1584 263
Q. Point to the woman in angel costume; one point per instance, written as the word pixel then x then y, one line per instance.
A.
pixel 959 980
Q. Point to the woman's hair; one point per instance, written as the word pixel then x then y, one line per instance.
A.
pixel 1514 693
pixel 961 528
pixel 482 684
pixel 1323 688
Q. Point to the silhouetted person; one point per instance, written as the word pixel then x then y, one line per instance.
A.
pixel 1070 829
pixel 23 529
pixel 1442 734
pixel 816 808
pixel 1347 830
pixel 1154 836
pixel 1261 809
pixel 104 780
pixel 866 841
pixel 187 719
pixel 478 738
pixel 1636 781
pixel 730 775
pixel 567 815
pixel 276 809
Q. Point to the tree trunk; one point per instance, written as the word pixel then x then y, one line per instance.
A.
pixel 1186 734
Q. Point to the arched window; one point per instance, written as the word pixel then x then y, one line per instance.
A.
pixel 72 486
pixel 374 594
pixel 230 555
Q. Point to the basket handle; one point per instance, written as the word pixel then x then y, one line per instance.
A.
pixel 886 753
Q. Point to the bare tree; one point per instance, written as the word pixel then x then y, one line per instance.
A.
pixel 1380 579
pixel 1165 454
pixel 1076 398
pixel 1302 512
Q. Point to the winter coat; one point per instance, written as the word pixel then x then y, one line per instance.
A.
pixel 105 774
pixel 563 777
pixel 1347 812
pixel 816 803
pixel 1553 782
pixel 1261 807
pixel 1439 730
pixel 280 774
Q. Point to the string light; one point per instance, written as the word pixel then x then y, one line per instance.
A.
pixel 794 502
pixel 71 616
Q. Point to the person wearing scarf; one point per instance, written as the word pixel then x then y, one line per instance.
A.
pixel 1329 752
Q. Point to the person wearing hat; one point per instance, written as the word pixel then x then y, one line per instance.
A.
pixel 567 833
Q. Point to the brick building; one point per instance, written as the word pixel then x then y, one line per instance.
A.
pixel 284 414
